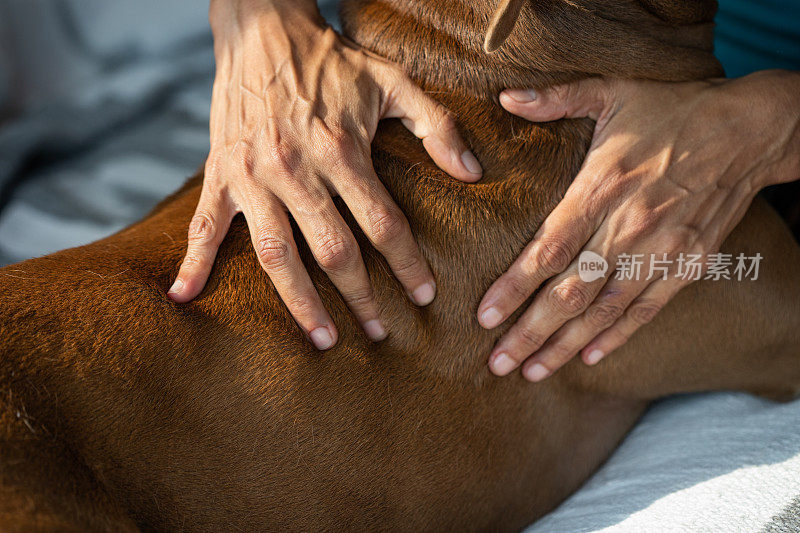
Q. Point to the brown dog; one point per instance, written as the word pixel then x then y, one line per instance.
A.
pixel 121 410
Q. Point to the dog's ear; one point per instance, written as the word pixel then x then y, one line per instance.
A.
pixel 502 24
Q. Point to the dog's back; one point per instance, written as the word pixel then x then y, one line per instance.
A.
pixel 119 408
pixel 219 415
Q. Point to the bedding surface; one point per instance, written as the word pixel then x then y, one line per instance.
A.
pixel 722 462
pixel 103 112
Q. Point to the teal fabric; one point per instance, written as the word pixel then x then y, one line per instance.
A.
pixel 758 34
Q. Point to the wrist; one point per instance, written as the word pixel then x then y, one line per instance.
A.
pixel 758 121
pixel 790 85
pixel 255 5
pixel 779 92
pixel 224 14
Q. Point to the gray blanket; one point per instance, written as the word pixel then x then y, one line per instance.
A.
pixel 103 112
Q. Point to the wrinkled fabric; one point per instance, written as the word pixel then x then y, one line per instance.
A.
pixel 705 463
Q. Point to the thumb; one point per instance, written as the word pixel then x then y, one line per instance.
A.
pixel 431 122
pixel 580 99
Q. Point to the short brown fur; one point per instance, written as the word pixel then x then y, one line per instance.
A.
pixel 120 410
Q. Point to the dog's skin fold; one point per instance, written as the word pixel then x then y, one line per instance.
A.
pixel 121 411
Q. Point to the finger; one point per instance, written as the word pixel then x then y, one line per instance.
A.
pixel 641 312
pixel 564 297
pixel 568 227
pixel 431 122
pixel 207 229
pixel 276 250
pixel 585 98
pixel 562 346
pixel 335 249
pixel 387 229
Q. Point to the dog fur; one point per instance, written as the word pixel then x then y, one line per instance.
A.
pixel 122 411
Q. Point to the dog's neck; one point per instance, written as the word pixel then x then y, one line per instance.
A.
pixel 471 233
pixel 439 43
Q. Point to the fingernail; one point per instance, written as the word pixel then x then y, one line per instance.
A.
pixel 374 330
pixel 176 287
pixel 424 294
pixel 471 163
pixel 491 318
pixel 321 338
pixel 501 364
pixel 523 96
pixel 535 372
pixel 594 357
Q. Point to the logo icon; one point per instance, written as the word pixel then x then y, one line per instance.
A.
pixel 591 266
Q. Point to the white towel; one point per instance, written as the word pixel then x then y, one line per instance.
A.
pixel 722 462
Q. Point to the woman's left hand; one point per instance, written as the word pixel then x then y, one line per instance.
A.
pixel 672 168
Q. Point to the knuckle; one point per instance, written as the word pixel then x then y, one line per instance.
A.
pixel 517 287
pixel 530 338
pixel 411 264
pixel 344 144
pixel 201 228
pixel 192 261
pixel 624 174
pixel 386 226
pixel 553 256
pixel 333 252
pixel 361 298
pixel 644 311
pixel 300 306
pixel 562 92
pixel 604 314
pixel 282 157
pixel 570 298
pixel 272 251
pixel 336 148
pixel 617 183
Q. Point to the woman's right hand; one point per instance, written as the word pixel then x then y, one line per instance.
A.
pixel 293 113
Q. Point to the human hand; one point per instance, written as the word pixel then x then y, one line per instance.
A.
pixel 672 168
pixel 293 113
